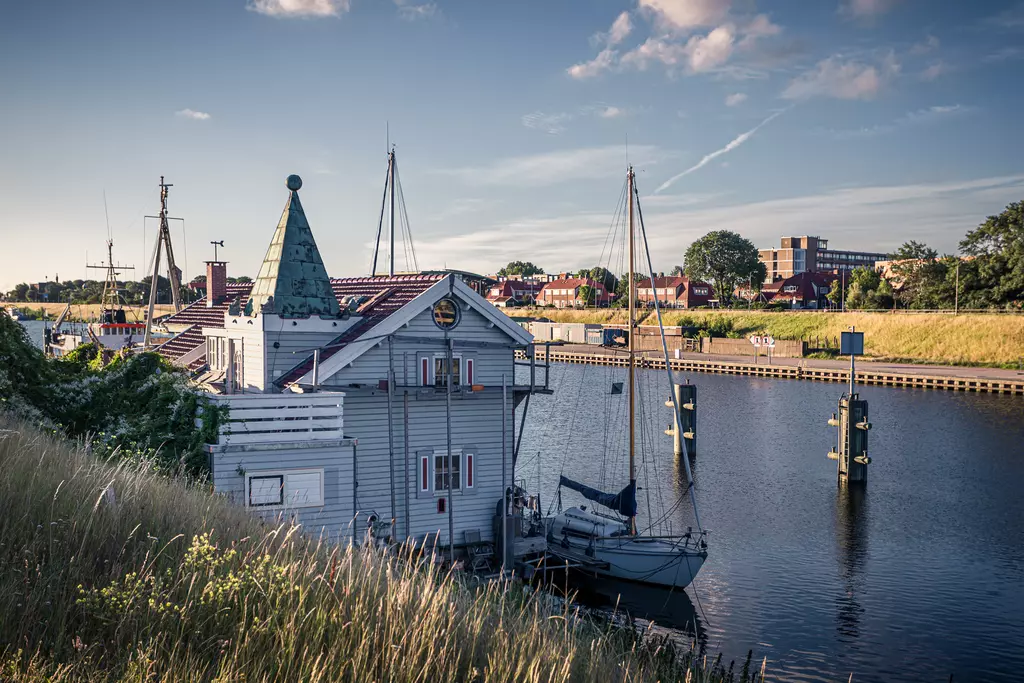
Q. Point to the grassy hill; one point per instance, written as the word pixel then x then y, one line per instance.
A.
pixel 968 339
pixel 111 573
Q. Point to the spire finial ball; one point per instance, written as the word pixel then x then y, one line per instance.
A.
pixel 294 182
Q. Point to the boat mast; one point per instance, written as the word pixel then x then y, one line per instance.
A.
pixel 164 241
pixel 632 369
pixel 391 186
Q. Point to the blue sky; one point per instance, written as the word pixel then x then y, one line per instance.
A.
pixel 868 122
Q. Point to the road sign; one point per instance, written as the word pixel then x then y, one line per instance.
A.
pixel 768 341
pixel 755 340
pixel 851 344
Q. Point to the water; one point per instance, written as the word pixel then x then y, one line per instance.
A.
pixel 916 577
pixel 37 328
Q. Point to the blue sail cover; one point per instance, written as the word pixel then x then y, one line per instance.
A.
pixel 624 502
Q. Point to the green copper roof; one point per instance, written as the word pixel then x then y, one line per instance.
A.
pixel 293 279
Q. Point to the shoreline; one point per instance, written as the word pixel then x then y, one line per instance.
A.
pixel 870 373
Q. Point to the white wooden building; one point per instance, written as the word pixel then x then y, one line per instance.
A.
pixel 340 407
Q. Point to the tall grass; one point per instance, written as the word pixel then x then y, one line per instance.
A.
pixel 110 573
pixel 968 339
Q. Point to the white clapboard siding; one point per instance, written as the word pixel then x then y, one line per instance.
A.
pixel 281 418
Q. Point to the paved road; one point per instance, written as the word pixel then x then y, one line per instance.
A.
pixel 862 365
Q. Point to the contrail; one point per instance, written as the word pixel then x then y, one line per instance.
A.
pixel 717 153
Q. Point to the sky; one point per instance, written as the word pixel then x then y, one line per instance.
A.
pixel 867 122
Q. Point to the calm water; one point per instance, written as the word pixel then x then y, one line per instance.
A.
pixel 915 577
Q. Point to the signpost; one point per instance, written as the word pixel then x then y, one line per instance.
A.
pixel 767 341
pixel 852 343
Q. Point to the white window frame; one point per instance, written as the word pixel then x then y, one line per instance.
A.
pixel 284 474
pixel 456 358
pixel 428 465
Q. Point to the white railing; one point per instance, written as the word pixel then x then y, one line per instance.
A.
pixel 280 418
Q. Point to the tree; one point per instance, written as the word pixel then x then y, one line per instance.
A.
pixel 868 290
pixel 602 275
pixel 244 279
pixel 524 268
pixel 676 271
pixel 586 293
pixel 995 275
pixel 918 276
pixel 724 259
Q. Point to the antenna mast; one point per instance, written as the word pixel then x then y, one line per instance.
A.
pixel 110 300
pixel 391 187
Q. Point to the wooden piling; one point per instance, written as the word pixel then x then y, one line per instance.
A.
pixel 686 399
pixel 852 447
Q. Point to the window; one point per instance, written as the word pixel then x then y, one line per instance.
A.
pixel 434 471
pixel 441 471
pixel 265 491
pixel 285 489
pixel 441 371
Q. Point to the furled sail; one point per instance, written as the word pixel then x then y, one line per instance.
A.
pixel 624 502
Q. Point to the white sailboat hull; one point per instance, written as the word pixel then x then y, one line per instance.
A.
pixel 602 547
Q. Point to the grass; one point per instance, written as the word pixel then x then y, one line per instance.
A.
pixel 968 339
pixel 111 573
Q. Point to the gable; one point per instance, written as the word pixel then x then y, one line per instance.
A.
pixel 480 322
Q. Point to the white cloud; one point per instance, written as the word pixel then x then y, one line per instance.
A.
pixel 604 60
pixel 552 124
pixel 874 217
pixel 736 142
pixel 867 8
pixel 611 113
pixel 682 15
pixel 929 44
pixel 1009 19
pixel 913 118
pixel 758 27
pixel 300 8
pixel 621 28
pixel 698 54
pixel 845 80
pixel 587 163
pixel 413 11
pixel 934 71
pixel 735 99
pixel 192 114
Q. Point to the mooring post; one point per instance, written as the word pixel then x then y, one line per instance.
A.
pixel 686 399
pixel 852 420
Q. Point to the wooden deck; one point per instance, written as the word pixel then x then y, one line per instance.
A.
pixel 958 379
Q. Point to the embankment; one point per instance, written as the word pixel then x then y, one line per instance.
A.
pixel 89 312
pixel 967 339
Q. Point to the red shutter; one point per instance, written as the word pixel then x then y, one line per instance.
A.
pixel 424 373
pixel 469 371
pixel 469 470
pixel 424 482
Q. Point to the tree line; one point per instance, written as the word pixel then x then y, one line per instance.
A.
pixel 132 293
pixel 988 273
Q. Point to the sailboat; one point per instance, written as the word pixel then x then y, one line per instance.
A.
pixel 609 544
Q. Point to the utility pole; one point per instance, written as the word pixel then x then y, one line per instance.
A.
pixel 956 292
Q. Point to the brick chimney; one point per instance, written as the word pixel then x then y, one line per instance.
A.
pixel 216 282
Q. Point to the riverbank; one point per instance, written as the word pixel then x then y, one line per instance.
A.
pixel 971 339
pixel 977 380
pixel 87 312
pixel 131 572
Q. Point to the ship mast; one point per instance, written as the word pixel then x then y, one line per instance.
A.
pixel 110 299
pixel 391 184
pixel 632 369
pixel 163 242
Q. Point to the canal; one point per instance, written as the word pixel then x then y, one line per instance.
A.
pixel 918 576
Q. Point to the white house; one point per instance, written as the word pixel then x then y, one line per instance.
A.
pixel 339 394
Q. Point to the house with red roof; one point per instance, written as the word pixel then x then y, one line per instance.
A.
pixel 568 293
pixel 674 291
pixel 513 292
pixel 803 290
pixel 409 381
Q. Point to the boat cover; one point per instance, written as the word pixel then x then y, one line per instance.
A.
pixel 624 502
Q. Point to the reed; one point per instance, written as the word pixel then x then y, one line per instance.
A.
pixel 109 572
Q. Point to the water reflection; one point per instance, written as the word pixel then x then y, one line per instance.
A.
pixel 851 537
pixel 664 607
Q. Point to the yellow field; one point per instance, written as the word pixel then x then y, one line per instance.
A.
pixel 91 311
pixel 968 339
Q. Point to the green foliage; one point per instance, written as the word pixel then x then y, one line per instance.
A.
pixel 724 259
pixel 586 293
pixel 995 276
pixel 602 275
pixel 524 268
pixel 867 290
pixel 138 406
